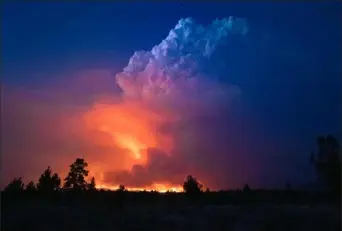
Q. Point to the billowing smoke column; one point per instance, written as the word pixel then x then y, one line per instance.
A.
pixel 172 112
pixel 175 114
pixel 170 95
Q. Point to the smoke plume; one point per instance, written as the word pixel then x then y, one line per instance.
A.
pixel 172 116
pixel 190 109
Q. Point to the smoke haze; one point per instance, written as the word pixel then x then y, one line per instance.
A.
pixel 167 114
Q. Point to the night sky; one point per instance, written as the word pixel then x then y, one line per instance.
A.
pixel 59 60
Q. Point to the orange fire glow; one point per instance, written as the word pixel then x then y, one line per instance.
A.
pixel 131 130
pixel 162 188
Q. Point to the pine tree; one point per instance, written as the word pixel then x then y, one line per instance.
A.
pixel 49 182
pixel 327 163
pixel 76 176
pixel 191 186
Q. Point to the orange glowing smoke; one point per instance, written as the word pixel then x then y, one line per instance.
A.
pixel 131 129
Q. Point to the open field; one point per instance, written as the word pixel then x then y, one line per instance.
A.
pixel 109 215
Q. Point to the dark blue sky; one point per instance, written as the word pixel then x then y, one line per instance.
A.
pixel 55 33
pixel 289 67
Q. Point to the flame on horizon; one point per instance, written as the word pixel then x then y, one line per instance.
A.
pixel 159 187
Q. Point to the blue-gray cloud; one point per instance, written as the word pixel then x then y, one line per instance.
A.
pixel 177 76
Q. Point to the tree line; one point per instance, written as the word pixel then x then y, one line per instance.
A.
pixel 49 182
pixel 326 161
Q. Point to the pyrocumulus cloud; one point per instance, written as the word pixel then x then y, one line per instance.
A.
pixel 172 117
pixel 173 80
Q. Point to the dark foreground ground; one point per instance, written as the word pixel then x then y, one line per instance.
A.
pixel 128 211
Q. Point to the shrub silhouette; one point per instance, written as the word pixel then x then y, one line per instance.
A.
pixel 121 196
pixel 48 182
pixel 191 186
pixel 92 185
pixel 327 163
pixel 16 186
pixel 121 188
pixel 246 189
pixel 76 176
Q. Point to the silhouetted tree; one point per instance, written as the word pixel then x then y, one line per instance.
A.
pixel 31 187
pixel 246 189
pixel 191 186
pixel 15 186
pixel 92 184
pixel 48 182
pixel 76 176
pixel 327 163
pixel 247 194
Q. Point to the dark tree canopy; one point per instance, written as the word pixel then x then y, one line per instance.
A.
pixel 31 187
pixel 76 176
pixel 192 186
pixel 49 182
pixel 327 162
pixel 15 186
